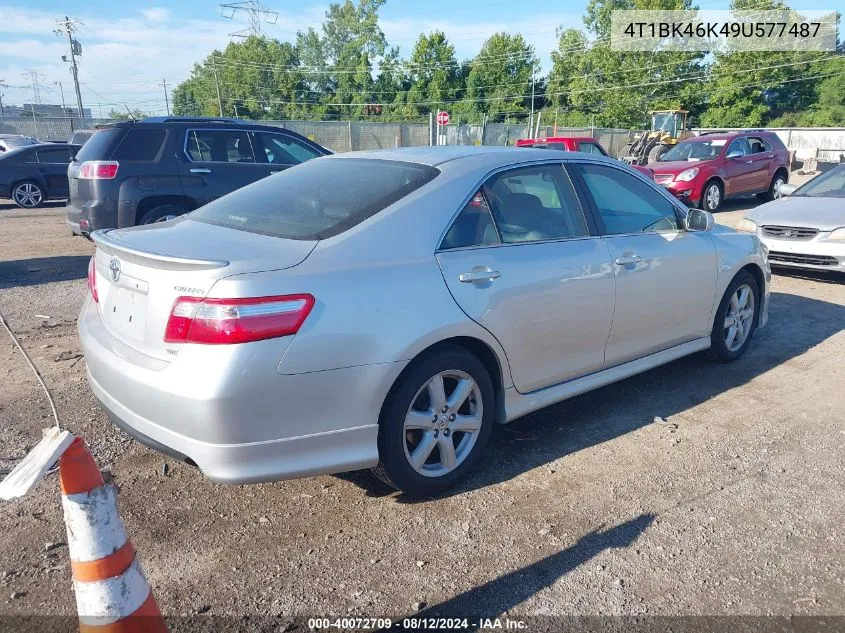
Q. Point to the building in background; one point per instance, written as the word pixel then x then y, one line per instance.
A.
pixel 48 110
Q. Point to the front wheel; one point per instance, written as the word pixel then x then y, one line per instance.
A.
pixel 736 319
pixel 28 195
pixel 435 423
pixel 711 197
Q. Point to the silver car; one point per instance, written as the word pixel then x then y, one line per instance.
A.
pixel 384 309
pixel 806 228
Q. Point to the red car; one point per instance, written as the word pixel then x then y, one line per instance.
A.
pixel 705 170
pixel 585 144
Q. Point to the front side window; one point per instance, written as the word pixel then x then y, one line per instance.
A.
pixel 280 149
pixel 738 148
pixel 219 146
pixel 473 226
pixel 535 203
pixel 625 204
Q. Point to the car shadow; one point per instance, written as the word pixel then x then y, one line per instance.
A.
pixel 8 205
pixel 507 591
pixel 821 276
pixel 612 411
pixel 43 270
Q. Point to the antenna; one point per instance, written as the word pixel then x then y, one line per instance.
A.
pixel 255 10
pixel 131 116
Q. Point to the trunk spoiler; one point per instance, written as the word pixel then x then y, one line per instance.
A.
pixel 114 246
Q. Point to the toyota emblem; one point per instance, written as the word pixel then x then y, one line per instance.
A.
pixel 114 267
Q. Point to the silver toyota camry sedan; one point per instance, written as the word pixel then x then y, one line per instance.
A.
pixel 384 309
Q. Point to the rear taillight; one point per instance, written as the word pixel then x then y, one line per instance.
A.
pixel 92 280
pixel 221 321
pixel 98 170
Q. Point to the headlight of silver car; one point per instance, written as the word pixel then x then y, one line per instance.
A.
pixel 746 225
pixel 687 174
pixel 837 234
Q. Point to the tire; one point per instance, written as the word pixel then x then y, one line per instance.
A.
pixel 162 213
pixel 723 348
pixel 713 203
pixel 656 152
pixel 28 194
pixel 411 395
pixel 774 187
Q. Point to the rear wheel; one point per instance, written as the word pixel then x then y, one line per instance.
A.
pixel 162 214
pixel 736 319
pixel 711 197
pixel 28 195
pixel 435 423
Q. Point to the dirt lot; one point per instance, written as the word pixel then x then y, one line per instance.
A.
pixel 692 489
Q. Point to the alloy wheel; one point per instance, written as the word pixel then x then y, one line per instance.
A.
pixel 28 195
pixel 443 423
pixel 713 197
pixel 739 317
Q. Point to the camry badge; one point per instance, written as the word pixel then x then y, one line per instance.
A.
pixel 114 267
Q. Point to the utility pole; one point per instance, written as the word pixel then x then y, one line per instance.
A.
pixel 62 92
pixel 217 84
pixel 166 101
pixel 68 26
pixel 533 76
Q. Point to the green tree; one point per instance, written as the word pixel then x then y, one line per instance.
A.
pixel 499 80
pixel 122 115
pixel 433 74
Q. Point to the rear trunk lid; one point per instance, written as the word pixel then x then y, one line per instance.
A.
pixel 141 271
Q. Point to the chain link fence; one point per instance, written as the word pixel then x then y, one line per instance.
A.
pixel 344 136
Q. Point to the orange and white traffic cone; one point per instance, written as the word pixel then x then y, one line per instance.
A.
pixel 112 594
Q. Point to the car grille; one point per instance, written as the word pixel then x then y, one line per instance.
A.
pixel 790 232
pixel 794 258
pixel 663 179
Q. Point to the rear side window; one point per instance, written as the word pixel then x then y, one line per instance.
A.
pixel 99 146
pixel 473 226
pixel 140 144
pixel 590 148
pixel 317 199
pixel 60 156
pixel 219 146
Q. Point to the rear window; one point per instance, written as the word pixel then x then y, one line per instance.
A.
pixel 99 146
pixel 317 199
pixel 140 144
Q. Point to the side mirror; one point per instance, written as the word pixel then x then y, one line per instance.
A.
pixel 734 154
pixel 699 220
pixel 787 189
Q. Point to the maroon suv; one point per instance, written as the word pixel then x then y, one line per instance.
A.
pixel 704 170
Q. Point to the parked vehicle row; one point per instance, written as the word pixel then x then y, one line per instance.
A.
pixel 383 309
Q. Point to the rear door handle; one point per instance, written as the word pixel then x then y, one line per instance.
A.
pixel 628 259
pixel 479 273
pixel 200 170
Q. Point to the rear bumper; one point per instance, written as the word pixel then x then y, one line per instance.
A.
pixel 236 425
pixel 91 216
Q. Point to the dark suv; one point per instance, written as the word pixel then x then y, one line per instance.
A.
pixel 156 169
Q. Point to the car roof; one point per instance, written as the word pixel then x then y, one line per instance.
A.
pixel 483 155
pixel 558 139
pixel 727 136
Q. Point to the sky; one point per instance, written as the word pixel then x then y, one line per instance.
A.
pixel 129 47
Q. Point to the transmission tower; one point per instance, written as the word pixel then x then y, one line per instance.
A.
pixel 34 76
pixel 255 11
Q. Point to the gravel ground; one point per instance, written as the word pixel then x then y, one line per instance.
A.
pixel 692 489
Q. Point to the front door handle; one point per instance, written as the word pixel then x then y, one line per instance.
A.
pixel 479 273
pixel 200 170
pixel 628 258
